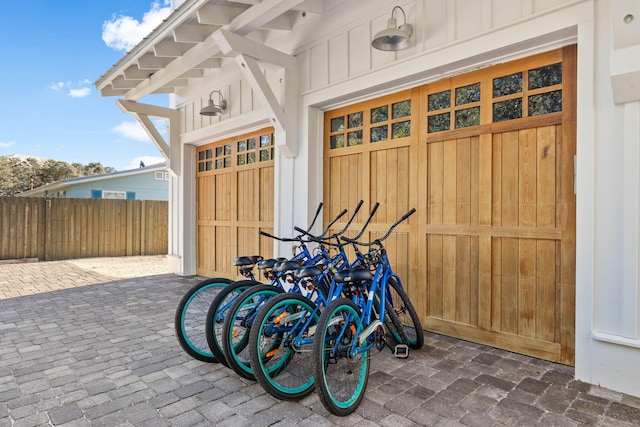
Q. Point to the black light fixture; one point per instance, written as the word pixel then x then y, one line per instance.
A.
pixel 394 37
pixel 212 109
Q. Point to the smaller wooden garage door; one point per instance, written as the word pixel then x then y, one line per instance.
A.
pixel 234 185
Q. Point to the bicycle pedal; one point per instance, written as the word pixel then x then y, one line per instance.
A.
pixel 401 351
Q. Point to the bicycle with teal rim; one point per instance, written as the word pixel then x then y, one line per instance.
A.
pixel 222 304
pixel 349 328
pixel 240 317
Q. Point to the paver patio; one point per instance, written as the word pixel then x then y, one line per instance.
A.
pixel 82 349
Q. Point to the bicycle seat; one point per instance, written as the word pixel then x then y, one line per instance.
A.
pixel 311 271
pixel 287 265
pixel 352 275
pixel 246 260
pixel 269 263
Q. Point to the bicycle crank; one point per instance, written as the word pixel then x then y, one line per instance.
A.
pixel 374 326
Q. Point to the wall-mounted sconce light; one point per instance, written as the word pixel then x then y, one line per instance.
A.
pixel 394 37
pixel 212 109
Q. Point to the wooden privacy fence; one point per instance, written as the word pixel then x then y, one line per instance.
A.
pixel 57 229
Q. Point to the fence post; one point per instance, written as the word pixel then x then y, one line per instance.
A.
pixel 143 228
pixel 129 232
pixel 47 229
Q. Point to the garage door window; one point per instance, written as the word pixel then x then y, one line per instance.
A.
pixel 376 124
pixel 543 93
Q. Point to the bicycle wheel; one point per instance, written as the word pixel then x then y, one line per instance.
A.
pixel 407 314
pixel 237 324
pixel 280 346
pixel 341 380
pixel 217 312
pixel 191 315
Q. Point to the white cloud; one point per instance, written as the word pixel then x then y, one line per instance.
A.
pixel 132 130
pixel 7 144
pixel 79 89
pixel 79 93
pixel 124 32
pixel 147 160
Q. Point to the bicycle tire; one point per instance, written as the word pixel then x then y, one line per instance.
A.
pixel 237 325
pixel 190 318
pixel 406 313
pixel 217 312
pixel 340 380
pixel 282 369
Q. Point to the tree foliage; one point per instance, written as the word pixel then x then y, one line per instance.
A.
pixel 18 175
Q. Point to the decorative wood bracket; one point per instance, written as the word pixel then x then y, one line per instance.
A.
pixel 171 151
pixel 247 53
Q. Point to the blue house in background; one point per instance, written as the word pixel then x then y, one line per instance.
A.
pixel 144 183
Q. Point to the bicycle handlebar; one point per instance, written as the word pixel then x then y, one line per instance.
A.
pixel 299 238
pixel 282 239
pixel 315 217
pixel 366 224
pixel 378 241
pixel 353 216
pixel 326 230
pixel 325 240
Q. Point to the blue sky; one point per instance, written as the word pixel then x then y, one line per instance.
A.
pixel 52 53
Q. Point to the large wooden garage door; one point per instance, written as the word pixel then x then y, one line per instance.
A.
pixel 487 158
pixel 234 184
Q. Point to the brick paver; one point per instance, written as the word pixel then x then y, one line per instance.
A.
pixel 78 348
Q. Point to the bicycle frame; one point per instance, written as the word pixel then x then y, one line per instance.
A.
pixel 305 333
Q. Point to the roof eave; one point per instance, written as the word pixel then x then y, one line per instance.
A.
pixel 163 30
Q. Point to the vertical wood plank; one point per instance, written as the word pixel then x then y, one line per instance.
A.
pixel 509 286
pixel 485 195
pixel 449 277
pixel 435 268
pixel 567 204
pixel 474 281
pixel 527 167
pixel 404 181
pixel 463 181
pixel 462 279
pixel 527 306
pixel 485 303
pixel 436 183
pixel 474 184
pixel 391 177
pixel 496 181
pixel 449 205
pixel 546 177
pixel 463 217
pixel 546 294
pixel 510 179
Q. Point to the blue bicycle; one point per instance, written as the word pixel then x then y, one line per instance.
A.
pixel 240 317
pixel 221 306
pixel 349 328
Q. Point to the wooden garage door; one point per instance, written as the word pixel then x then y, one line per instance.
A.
pixel 234 184
pixel 487 158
